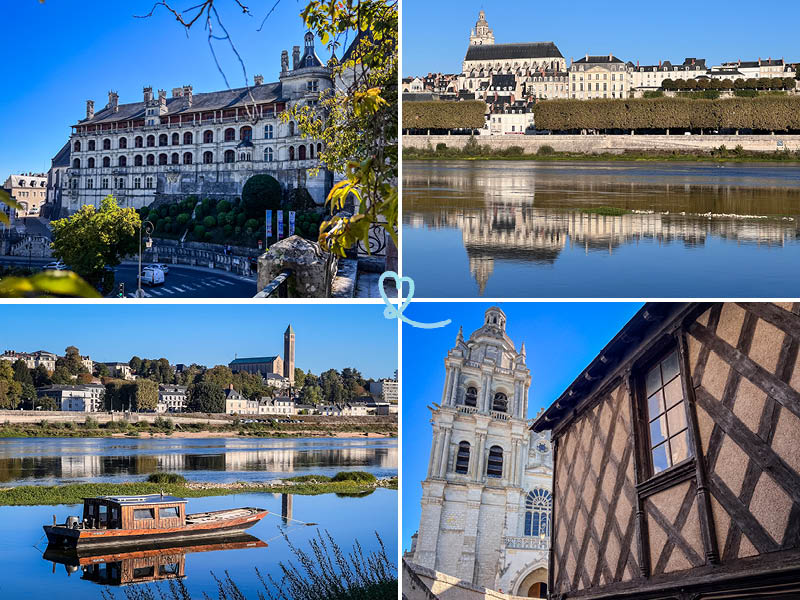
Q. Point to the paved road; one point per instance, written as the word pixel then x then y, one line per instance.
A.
pixel 181 281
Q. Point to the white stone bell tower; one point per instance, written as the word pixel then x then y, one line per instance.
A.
pixel 481 34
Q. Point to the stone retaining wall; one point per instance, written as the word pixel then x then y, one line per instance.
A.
pixel 615 144
pixel 35 416
pixel 202 255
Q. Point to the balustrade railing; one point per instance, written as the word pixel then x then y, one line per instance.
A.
pixel 470 410
pixel 500 416
pixel 527 543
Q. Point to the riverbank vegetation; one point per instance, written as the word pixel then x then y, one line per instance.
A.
pixel 473 150
pixel 347 483
pixel 161 426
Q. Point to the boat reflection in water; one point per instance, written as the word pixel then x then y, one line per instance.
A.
pixel 141 564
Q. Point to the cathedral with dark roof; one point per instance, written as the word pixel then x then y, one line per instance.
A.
pixel 206 144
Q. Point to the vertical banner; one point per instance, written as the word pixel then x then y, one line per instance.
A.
pixel 269 226
pixel 291 222
pixel 280 224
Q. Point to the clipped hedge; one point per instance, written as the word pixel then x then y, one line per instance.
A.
pixel 770 113
pixel 443 114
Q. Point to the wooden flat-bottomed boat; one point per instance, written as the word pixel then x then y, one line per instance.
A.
pixel 117 520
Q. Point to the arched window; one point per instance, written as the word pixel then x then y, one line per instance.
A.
pixel 176 139
pixel 91 145
pixel 151 141
pixel 187 158
pixel 246 134
pixel 291 153
pixel 494 466
pixel 230 156
pixel 311 151
pixel 187 137
pixel 77 146
pixel 268 154
pixel 319 149
pixel 230 134
pixel 162 139
pixel 137 143
pixel 538 508
pixel 500 402
pixel 291 128
pixel 106 161
pixel 268 132
pixel 151 160
pixel 162 159
pixel 208 136
pixel 123 161
pixel 301 153
pixel 471 397
pixel 208 157
pixel 462 458
pixel 175 159
pixel 123 143
pixel 76 164
pixel 106 144
pixel 137 160
pixel 91 163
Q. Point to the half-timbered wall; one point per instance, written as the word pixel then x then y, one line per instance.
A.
pixel 622 526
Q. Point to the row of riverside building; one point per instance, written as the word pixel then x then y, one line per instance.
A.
pixel 511 78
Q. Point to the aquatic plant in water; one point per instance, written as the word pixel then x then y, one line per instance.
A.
pixel 323 573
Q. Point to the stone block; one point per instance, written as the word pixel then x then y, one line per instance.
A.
pixel 313 269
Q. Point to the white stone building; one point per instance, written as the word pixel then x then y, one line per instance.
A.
pixel 277 406
pixel 80 398
pixel 644 78
pixel 29 191
pixel 486 500
pixel 756 69
pixel 237 404
pixel 342 410
pixel 598 77
pixel 32 359
pixel 171 398
pixel 204 144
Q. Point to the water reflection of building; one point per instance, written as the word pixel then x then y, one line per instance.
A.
pixel 145 564
pixel 515 231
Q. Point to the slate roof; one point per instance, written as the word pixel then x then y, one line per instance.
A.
pixel 269 92
pixel 513 51
pixel 599 59
pixel 61 159
pixel 504 80
pixel 255 359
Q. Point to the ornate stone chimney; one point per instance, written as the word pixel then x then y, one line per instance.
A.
pixel 284 62
pixel 162 101
pixel 90 109
pixel 295 57
pixel 148 94
pixel 113 101
pixel 187 93
pixel 177 92
pixel 258 80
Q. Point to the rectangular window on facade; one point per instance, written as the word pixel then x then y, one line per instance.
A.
pixel 169 512
pixel 666 413
pixel 140 514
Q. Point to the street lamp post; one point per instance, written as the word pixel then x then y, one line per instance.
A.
pixel 148 228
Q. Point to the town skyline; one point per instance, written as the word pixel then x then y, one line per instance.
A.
pixel 372 349
pixel 430 48
pixel 161 63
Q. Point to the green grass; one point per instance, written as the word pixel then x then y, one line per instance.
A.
pixel 73 493
pixel 607 211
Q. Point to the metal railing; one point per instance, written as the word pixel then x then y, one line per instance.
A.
pixel 278 287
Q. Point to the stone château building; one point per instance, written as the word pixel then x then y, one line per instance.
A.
pixel 486 499
pixel 206 144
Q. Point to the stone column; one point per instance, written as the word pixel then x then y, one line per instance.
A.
pixel 514 461
pixel 454 387
pixel 443 459
pixel 481 452
pixel 434 451
pixel 507 471
pixel 448 382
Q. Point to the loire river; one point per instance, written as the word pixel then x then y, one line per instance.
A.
pixel 25 461
pixel 526 229
pixel 37 572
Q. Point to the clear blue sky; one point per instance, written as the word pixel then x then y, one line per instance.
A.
pixel 61 53
pixel 326 336
pixel 436 34
pixel 560 340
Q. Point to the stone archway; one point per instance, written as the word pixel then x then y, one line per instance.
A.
pixel 534 584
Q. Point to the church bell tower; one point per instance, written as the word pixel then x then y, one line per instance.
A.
pixel 288 354
pixel 481 35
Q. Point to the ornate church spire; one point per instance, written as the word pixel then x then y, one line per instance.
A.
pixel 460 336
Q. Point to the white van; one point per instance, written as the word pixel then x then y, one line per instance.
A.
pixel 152 276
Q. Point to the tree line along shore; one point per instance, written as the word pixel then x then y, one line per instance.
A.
pixel 349 483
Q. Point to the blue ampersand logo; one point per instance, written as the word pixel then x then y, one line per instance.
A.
pixel 393 312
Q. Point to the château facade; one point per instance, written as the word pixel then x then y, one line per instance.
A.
pixel 206 144
pixel 487 496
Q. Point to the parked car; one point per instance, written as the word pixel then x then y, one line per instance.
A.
pixel 55 266
pixel 152 276
pixel 161 266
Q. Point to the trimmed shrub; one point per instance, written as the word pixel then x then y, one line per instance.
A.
pixel 545 150
pixel 223 206
pixel 210 222
pixel 199 232
pixel 183 218
pixel 357 476
pixel 260 193
pixel 444 114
